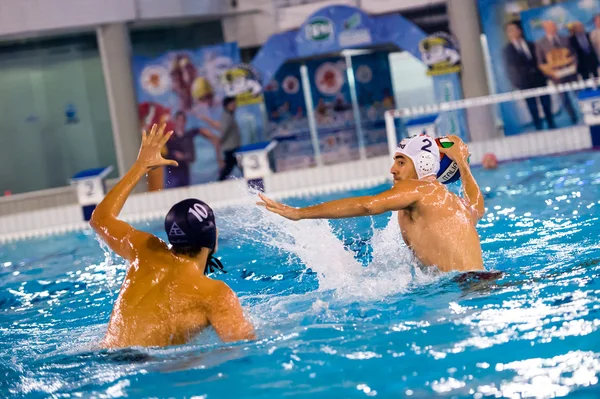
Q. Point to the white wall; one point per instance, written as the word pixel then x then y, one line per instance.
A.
pixel 23 16
pixel 387 6
pixel 252 24
pixel 30 17
pixel 160 9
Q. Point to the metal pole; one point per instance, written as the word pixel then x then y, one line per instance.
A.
pixel 310 114
pixel 355 107
pixel 390 129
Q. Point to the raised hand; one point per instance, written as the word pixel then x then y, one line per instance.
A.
pixel 150 151
pixel 283 210
pixel 459 152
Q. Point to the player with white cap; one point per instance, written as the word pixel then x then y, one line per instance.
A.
pixel 436 224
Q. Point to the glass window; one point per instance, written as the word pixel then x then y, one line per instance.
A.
pixel 412 86
pixel 155 41
pixel 53 112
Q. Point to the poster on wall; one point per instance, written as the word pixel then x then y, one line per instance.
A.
pixel 334 116
pixel 185 89
pixel 338 136
pixel 288 123
pixel 242 81
pixel 533 46
pixel 441 53
pixel 374 92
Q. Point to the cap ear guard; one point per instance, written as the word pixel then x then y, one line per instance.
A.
pixel 426 164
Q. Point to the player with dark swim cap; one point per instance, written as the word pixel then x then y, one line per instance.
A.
pixel 166 297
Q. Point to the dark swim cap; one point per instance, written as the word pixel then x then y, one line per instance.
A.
pixel 191 223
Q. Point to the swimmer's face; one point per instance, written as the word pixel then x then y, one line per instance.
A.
pixel 550 28
pixel 180 122
pixel 513 32
pixel 403 169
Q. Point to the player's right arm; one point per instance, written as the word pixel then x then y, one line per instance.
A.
pixel 121 237
pixel 401 196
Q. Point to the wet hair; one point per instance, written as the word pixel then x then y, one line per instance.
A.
pixel 227 101
pixel 192 252
pixel 513 23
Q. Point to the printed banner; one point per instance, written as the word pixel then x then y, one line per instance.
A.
pixel 374 91
pixel 334 116
pixel 531 47
pixel 243 83
pixel 441 53
pixel 332 29
pixel 185 89
pixel 288 123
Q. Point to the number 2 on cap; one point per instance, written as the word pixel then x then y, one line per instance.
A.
pixel 426 146
pixel 199 211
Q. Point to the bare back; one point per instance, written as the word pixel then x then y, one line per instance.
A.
pixel 165 300
pixel 440 230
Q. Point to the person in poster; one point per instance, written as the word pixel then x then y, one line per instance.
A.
pixel 557 60
pixel 595 34
pixel 230 139
pixel 183 74
pixel 584 50
pixel 182 149
pixel 523 72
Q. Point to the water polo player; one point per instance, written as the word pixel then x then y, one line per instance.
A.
pixel 436 224
pixel 166 297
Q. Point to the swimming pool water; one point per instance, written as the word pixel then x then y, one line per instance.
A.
pixel 327 325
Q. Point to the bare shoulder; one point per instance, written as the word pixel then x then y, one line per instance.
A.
pixel 415 187
pixel 408 186
pixel 148 242
pixel 435 194
pixel 221 292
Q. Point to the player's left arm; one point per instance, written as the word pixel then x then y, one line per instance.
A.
pixel 120 236
pixel 401 196
pixel 459 153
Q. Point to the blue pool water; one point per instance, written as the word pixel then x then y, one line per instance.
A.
pixel 329 327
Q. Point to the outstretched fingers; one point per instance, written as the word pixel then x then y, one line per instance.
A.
pixel 268 202
pixel 166 138
pixel 170 162
pixel 271 205
pixel 153 132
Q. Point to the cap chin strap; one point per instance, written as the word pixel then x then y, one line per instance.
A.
pixel 214 264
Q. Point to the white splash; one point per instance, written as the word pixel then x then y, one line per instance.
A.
pixel 392 270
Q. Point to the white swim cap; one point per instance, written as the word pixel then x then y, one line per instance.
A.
pixel 424 153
